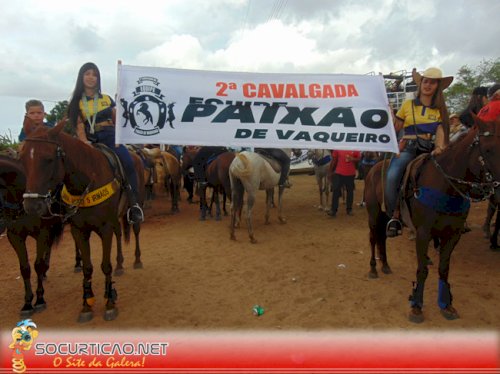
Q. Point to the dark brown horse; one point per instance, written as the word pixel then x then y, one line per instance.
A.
pixel 52 158
pixel 217 174
pixel 435 201
pixel 19 226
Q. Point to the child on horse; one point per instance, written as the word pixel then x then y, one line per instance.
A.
pixel 93 115
pixel 425 125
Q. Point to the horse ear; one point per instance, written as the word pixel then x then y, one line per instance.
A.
pixel 28 125
pixel 53 132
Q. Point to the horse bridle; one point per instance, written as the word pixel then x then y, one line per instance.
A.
pixel 51 197
pixel 484 189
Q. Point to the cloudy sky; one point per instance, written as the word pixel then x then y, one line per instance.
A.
pixel 44 43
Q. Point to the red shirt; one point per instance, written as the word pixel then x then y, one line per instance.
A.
pixel 490 112
pixel 345 167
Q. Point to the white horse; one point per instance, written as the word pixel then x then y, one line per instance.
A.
pixel 250 172
pixel 320 159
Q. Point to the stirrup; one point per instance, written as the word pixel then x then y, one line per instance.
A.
pixel 394 228
pixel 136 216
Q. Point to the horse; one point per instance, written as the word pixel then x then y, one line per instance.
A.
pixel 168 173
pixel 250 172
pixel 320 159
pixel 217 175
pixel 52 158
pixel 20 225
pixel 435 200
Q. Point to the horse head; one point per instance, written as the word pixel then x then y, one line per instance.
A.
pixel 42 159
pixel 487 141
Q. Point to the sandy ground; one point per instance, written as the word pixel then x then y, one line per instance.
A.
pixel 308 274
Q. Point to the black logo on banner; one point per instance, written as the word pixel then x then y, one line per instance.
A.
pixel 148 112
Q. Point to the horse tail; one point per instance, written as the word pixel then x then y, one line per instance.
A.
pixel 242 168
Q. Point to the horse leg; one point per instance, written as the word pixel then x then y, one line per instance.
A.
pixel 137 262
pixel 490 212
pixel 82 242
pixel 494 236
pixel 203 202
pixel 237 192
pixel 119 250
pixel 110 293
pixel 269 199
pixel 217 204
pixel 373 261
pixel 78 260
pixel 224 202
pixel 250 204
pixel 319 183
pixel 444 293
pixel 43 247
pixel 174 197
pixel 382 242
pixel 281 189
pixel 417 297
pixel 18 242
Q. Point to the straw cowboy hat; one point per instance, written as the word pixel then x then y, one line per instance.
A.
pixel 432 73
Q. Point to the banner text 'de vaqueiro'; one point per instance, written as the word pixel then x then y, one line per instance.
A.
pixel 333 111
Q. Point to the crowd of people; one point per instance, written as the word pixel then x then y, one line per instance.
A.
pixel 422 124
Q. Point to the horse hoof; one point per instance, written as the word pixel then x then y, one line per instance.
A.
pixel 386 269
pixel 26 312
pixel 40 307
pixel 494 248
pixel 138 265
pixel 373 275
pixel 253 241
pixel 110 314
pixel 282 220
pixel 119 272
pixel 77 269
pixel 85 317
pixel 416 315
pixel 449 313
pixel 217 218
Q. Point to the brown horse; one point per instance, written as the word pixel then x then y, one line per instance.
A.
pixel 20 225
pixel 168 171
pixel 217 174
pixel 52 158
pixel 435 201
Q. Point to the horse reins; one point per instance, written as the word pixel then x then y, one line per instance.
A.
pixel 485 189
pixel 50 198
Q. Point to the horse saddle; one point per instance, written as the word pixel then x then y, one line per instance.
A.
pixel 114 162
pixel 407 187
pixel 275 164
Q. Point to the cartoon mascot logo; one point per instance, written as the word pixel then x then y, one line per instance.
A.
pixel 23 336
pixel 148 112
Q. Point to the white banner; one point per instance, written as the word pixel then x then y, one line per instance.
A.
pixel 192 107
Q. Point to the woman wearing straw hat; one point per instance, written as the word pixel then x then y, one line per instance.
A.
pixel 424 124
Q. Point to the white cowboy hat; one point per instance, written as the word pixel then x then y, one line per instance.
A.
pixel 432 73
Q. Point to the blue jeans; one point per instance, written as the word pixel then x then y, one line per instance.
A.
pixel 395 174
pixel 107 137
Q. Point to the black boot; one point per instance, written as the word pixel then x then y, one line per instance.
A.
pixel 134 212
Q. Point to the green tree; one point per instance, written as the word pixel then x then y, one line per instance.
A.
pixel 468 78
pixel 58 112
